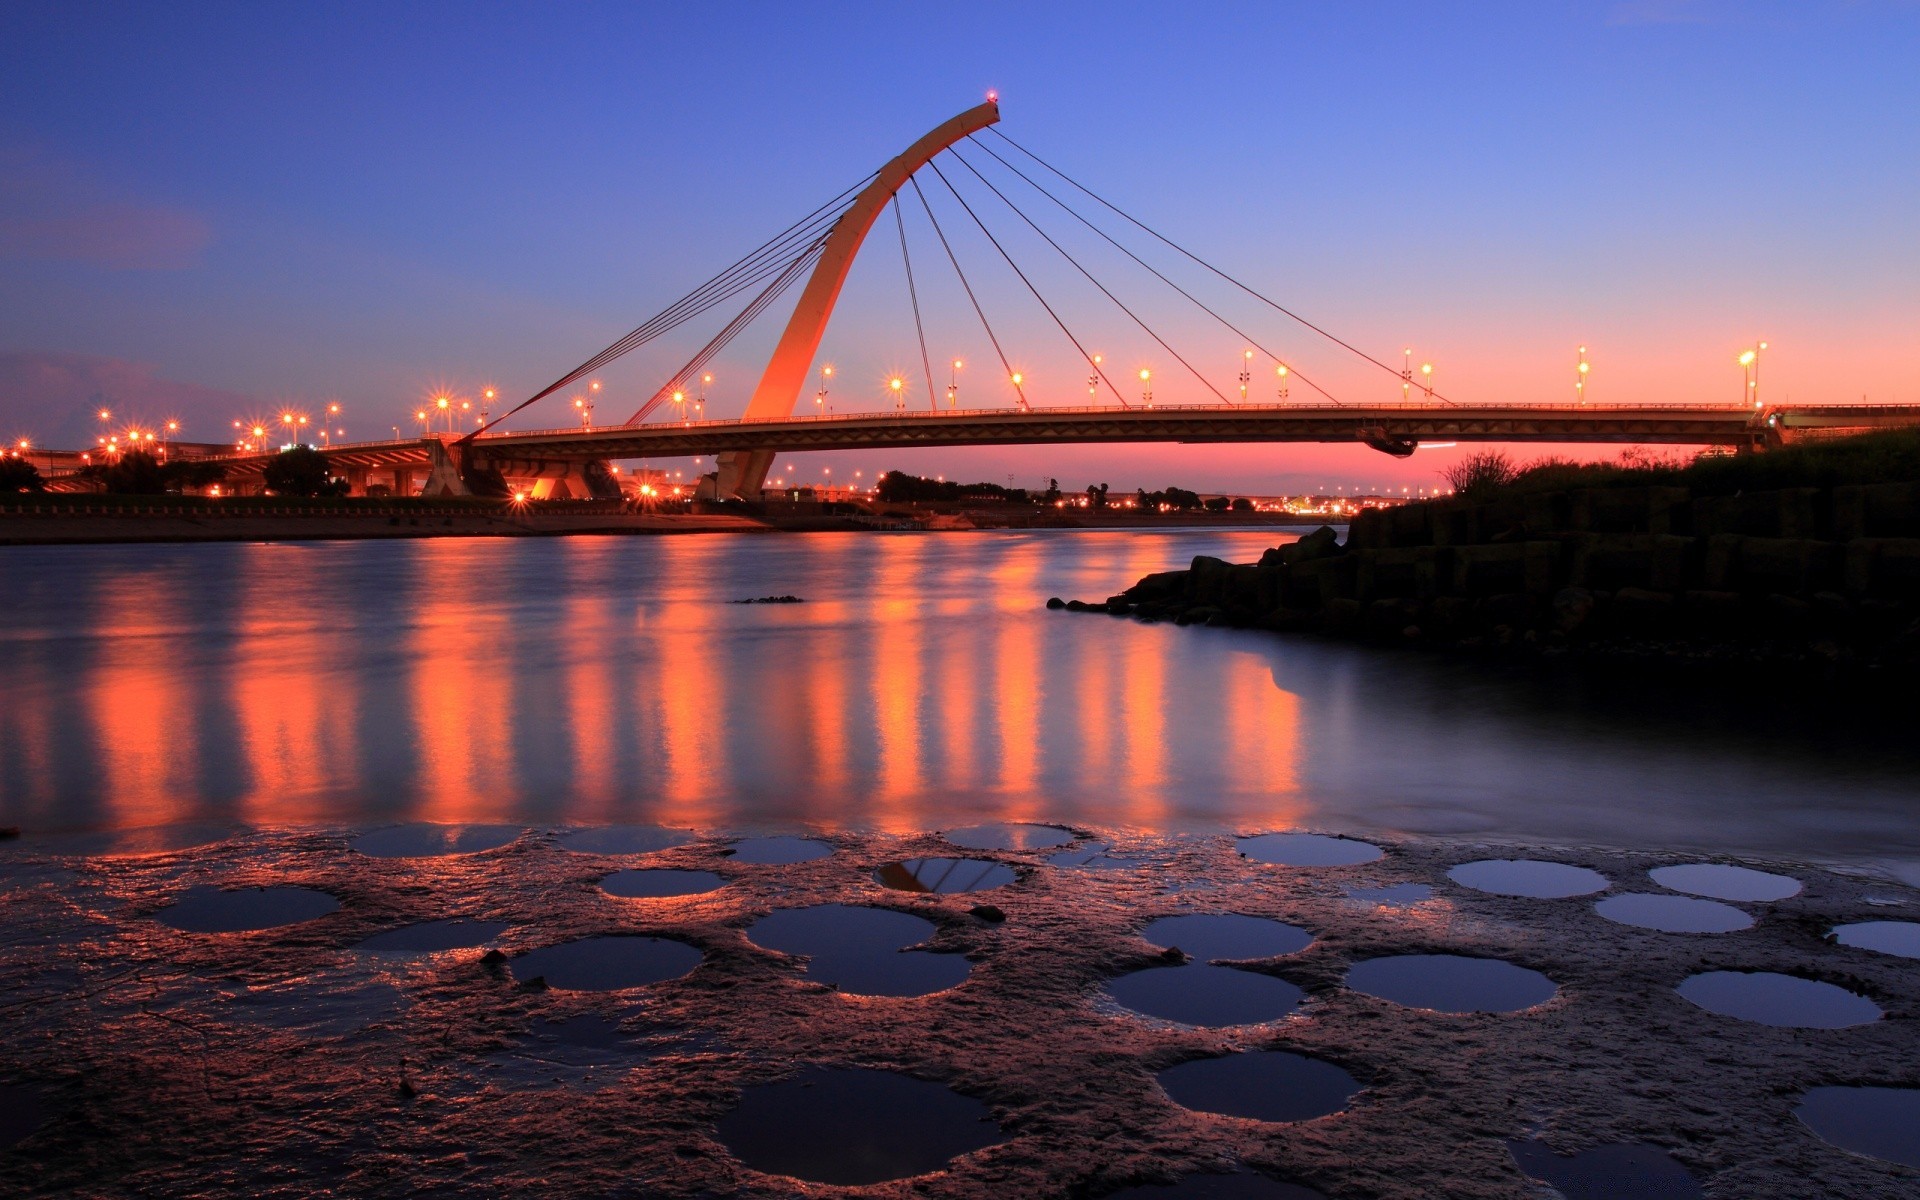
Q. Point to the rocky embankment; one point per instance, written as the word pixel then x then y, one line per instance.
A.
pixel 1824 577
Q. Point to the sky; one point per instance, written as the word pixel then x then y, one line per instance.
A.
pixel 214 211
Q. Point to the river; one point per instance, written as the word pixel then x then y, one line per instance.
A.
pixel 920 685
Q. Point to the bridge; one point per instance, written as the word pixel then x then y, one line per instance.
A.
pixel 550 455
pixel 822 245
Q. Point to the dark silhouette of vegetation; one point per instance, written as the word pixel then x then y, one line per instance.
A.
pixel 19 475
pixel 1179 499
pixel 1885 456
pixel 138 473
pixel 898 487
pixel 1481 475
pixel 1052 494
pixel 1096 495
pixel 1241 504
pixel 301 471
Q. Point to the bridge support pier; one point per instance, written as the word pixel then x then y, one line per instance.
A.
pixel 443 476
pixel 741 474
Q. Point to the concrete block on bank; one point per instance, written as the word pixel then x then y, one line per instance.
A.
pixel 1418 572
pixel 1489 570
pixel 1318 583
pixel 1627 509
pixel 1879 510
pixel 1369 530
pixel 1660 562
pixel 1410 525
pixel 1207 579
pixel 1882 569
pixel 1788 513
pixel 1793 566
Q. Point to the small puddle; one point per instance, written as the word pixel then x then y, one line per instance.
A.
pixel 431 937
pixel 1608 1172
pixel 861 950
pixel 1773 999
pixel 1673 914
pixel 433 841
pixel 23 1110
pixel 1095 856
pixel 1451 983
pixel 653 884
pixel 602 964
pixel 945 875
pixel 779 851
pixel 1724 882
pixel 1887 937
pixel 1308 850
pixel 1003 836
pixel 1205 995
pixel 587 1052
pixel 1398 895
pixel 1880 1122
pixel 207 909
pixel 854 1126
pixel 623 839
pixel 1241 1185
pixel 1208 936
pixel 1263 1085
pixel 1529 877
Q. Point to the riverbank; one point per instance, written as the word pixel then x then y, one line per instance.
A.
pixel 100 520
pixel 1801 585
pixel 151 1057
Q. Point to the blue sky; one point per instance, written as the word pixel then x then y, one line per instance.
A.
pixel 219 209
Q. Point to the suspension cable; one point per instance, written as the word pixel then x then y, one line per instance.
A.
pixel 926 364
pixel 978 311
pixel 754 308
pixel 1270 303
pixel 773 256
pixel 1023 279
pixel 1069 210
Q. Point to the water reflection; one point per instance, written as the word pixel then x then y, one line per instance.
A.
pixel 592 681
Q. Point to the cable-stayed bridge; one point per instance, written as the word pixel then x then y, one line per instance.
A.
pixel 821 247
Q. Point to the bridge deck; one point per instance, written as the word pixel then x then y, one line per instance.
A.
pixel 1692 425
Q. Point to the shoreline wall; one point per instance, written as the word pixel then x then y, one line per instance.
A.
pixel 1823 576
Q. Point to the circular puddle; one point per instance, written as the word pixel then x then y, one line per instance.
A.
pixel 1774 999
pixel 1887 937
pixel 1397 895
pixel 1095 856
pixel 433 841
pixel 23 1110
pixel 431 937
pixel 1263 1085
pixel 1725 882
pixel 860 950
pixel 655 883
pixel 853 1126
pixel 1308 850
pixel 603 964
pixel 1673 914
pixel 945 875
pixel 1880 1122
pixel 207 909
pixel 1529 877
pixel 1208 936
pixel 1241 1185
pixel 1205 995
pixel 623 839
pixel 779 851
pixel 1640 1171
pixel 1009 836
pixel 1451 983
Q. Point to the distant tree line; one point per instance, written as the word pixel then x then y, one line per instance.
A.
pixel 898 487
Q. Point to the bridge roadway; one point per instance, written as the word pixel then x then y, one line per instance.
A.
pixel 1392 428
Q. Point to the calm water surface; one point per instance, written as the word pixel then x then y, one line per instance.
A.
pixel 921 686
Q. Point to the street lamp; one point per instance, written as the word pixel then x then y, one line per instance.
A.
pixel 953 385
pixel 1406 376
pixel 445 405
pixel 896 386
pixel 1426 380
pixel 1246 373
pixel 1750 362
pixel 1580 369
pixel 1093 381
pixel 1146 387
pixel 486 402
pixel 820 397
pixel 1282 372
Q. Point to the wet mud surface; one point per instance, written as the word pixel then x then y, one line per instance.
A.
pixel 145 1060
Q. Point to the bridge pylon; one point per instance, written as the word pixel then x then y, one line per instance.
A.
pixel 741 474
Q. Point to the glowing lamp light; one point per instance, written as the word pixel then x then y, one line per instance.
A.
pixel 1746 359
pixel 1584 368
pixel 894 383
pixel 1145 374
pixel 1281 370
pixel 1018 379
